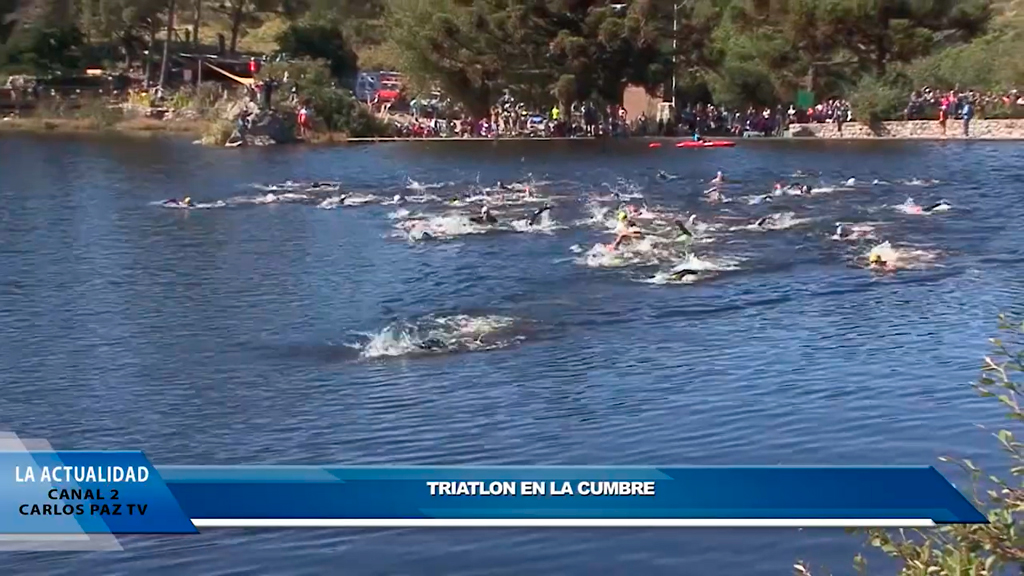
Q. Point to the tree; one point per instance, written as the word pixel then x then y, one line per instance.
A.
pixel 242 13
pixel 606 48
pixel 8 19
pixel 45 50
pixel 320 41
pixel 476 49
pixel 167 43
pixel 884 31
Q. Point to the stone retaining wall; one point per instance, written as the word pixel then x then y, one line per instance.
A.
pixel 915 129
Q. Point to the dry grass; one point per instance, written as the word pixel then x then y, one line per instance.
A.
pixel 258 40
pixel 83 125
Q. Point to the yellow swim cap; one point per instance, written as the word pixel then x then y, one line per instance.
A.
pixel 875 257
pixel 622 215
pixel 187 199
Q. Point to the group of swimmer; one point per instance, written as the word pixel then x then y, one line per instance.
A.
pixel 881 257
pixel 486 217
pixel 627 228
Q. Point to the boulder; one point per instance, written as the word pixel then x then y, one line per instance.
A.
pixel 267 128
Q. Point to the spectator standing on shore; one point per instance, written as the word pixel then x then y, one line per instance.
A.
pixel 943 111
pixel 968 114
pixel 267 93
pixel 303 120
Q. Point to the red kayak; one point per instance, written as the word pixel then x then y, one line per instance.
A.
pixel 705 144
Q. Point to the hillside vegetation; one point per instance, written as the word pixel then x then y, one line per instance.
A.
pixel 736 53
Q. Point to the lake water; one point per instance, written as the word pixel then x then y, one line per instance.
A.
pixel 269 330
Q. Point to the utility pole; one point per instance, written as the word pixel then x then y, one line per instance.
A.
pixel 167 43
pixel 675 55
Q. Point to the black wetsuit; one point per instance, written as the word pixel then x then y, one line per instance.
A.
pixel 934 206
pixel 432 344
pixel 537 213
pixel 760 223
pixel 682 228
pixel 484 219
pixel 678 274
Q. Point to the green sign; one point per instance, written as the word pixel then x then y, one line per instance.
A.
pixel 804 99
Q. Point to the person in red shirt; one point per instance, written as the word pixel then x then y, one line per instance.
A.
pixel 303 120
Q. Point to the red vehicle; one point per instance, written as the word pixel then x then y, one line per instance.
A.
pixel 390 87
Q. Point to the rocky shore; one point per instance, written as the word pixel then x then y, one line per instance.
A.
pixel 1003 129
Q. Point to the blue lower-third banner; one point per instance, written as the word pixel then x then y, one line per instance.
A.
pixel 123 493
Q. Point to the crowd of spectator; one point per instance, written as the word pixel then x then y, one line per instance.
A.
pixel 707 119
pixel 509 118
pixel 930 103
pixel 832 111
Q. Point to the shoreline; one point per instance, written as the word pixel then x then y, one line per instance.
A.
pixel 127 126
pixel 1002 129
pixel 996 130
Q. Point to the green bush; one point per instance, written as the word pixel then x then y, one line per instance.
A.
pixel 39 50
pixel 217 132
pixel 876 99
pixel 335 107
pixel 975 549
pixel 100 112
pixel 1001 111
pixel 988 63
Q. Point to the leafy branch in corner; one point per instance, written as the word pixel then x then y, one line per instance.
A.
pixel 973 549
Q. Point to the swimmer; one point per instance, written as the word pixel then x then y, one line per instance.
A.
pixel 876 262
pixel 680 274
pixel 853 232
pixel 851 182
pixel 431 344
pixel 398 199
pixel 940 206
pixel 714 196
pixel 683 229
pixel 537 214
pixel 664 176
pixel 624 230
pixel 681 271
pixel 795 189
pixel 485 217
pixel 762 222
pixel 911 207
pixel 719 178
